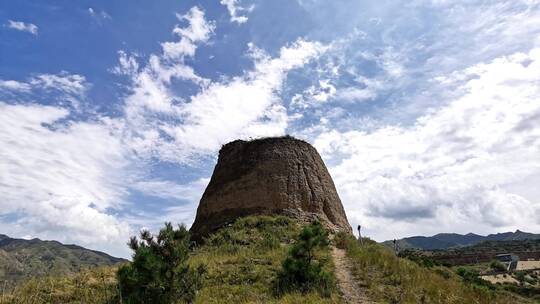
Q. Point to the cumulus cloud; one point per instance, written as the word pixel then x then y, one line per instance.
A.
pixel 66 87
pixel 13 85
pixel 151 83
pixel 70 84
pixel 198 31
pixel 457 168
pixel 243 107
pixel 177 129
pixel 127 64
pixel 61 176
pixel 23 27
pixel 314 95
pixel 235 9
pixel 64 82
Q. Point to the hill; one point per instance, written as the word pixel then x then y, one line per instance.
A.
pixel 244 257
pixel 23 259
pixel 452 240
pixel 532 245
pixel 242 260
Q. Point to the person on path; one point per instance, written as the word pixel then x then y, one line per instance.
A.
pixel 359 234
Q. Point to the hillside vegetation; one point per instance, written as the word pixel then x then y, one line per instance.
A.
pixel 453 240
pixel 243 261
pixel 390 279
pixel 23 259
pixel 499 246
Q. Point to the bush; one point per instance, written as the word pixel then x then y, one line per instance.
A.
pixel 159 272
pixel 301 271
pixel 342 239
pixel 497 266
pixel 418 258
pixel 443 272
pixel 520 276
pixel 472 277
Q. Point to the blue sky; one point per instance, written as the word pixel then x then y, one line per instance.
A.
pixel 427 113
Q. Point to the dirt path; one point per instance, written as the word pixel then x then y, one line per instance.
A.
pixel 352 293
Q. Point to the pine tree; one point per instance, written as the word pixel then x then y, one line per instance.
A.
pixel 159 272
pixel 301 270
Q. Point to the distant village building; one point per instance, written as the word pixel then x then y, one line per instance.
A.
pixel 509 259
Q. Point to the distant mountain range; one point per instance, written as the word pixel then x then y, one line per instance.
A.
pixel 21 259
pixel 453 240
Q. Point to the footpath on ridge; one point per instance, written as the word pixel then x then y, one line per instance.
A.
pixel 351 291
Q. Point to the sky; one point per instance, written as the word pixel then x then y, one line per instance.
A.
pixel 427 113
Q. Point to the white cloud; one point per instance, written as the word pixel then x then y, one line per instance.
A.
pixel 234 10
pixel 314 95
pixel 23 27
pixel 471 165
pixel 127 64
pixel 66 86
pixel 13 85
pixel 70 84
pixel 151 83
pixel 172 128
pixel 62 176
pixel 198 31
pixel 356 94
pixel 364 89
pixel 242 107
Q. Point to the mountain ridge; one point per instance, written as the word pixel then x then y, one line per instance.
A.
pixel 455 240
pixel 21 259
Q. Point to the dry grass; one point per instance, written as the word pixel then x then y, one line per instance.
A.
pixel 242 261
pixel 90 286
pixel 394 280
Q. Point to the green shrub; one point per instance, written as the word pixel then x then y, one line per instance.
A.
pixel 497 266
pixel 159 272
pixel 341 239
pixel 418 258
pixel 520 276
pixel 472 277
pixel 443 272
pixel 301 271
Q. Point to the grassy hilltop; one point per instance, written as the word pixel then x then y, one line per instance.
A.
pixel 243 260
pixel 390 279
pixel 23 259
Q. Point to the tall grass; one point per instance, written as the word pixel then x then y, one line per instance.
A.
pixel 242 261
pixel 390 279
pixel 89 286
